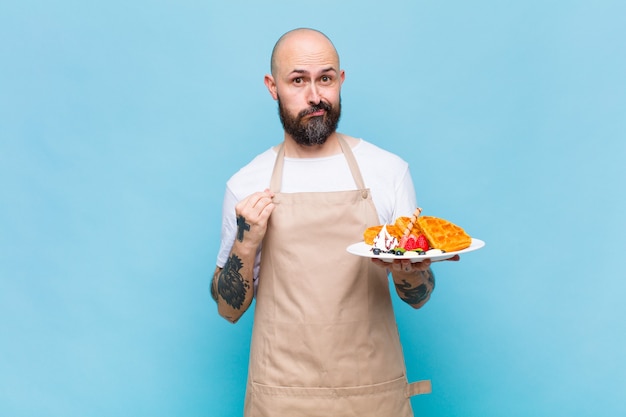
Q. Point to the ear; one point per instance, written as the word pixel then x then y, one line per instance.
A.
pixel 271 86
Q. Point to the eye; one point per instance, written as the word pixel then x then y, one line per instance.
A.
pixel 326 79
pixel 297 80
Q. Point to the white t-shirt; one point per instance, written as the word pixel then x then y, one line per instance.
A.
pixel 384 173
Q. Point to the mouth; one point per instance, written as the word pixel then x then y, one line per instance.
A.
pixel 317 110
pixel 317 113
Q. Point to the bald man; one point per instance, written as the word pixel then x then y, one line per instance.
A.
pixel 325 340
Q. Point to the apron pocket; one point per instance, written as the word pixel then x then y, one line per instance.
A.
pixel 388 399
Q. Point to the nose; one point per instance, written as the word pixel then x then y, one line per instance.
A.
pixel 313 94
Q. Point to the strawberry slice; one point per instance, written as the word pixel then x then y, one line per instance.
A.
pixel 422 243
pixel 411 243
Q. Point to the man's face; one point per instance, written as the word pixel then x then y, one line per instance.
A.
pixel 313 125
pixel 306 82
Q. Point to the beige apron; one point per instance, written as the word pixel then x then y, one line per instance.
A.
pixel 325 341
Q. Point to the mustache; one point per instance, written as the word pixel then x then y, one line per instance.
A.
pixel 317 107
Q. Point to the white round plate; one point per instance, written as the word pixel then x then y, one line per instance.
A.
pixel 365 250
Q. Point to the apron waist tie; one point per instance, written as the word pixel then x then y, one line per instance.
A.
pixel 419 387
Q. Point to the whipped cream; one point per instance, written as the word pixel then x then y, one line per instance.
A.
pixel 384 241
pixel 434 252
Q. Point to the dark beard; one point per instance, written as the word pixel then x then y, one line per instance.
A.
pixel 315 130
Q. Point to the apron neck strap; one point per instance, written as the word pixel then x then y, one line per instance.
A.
pixel 277 173
pixel 354 166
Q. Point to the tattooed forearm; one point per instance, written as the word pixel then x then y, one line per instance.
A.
pixel 415 295
pixel 230 283
pixel 213 289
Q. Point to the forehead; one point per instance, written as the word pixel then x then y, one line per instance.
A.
pixel 305 51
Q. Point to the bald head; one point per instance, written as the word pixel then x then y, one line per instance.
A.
pixel 300 44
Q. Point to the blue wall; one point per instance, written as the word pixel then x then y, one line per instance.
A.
pixel 121 121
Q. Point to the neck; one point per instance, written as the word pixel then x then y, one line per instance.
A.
pixel 328 148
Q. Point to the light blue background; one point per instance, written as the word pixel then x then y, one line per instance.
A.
pixel 120 121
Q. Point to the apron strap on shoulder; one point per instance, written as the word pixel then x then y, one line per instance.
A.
pixel 418 387
pixel 277 173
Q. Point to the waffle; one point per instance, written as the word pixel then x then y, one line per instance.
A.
pixel 371 232
pixel 442 234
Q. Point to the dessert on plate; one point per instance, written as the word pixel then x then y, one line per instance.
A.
pixel 421 234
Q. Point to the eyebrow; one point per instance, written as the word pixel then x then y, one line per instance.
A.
pixel 301 71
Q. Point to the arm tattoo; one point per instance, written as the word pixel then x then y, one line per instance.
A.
pixel 242 227
pixel 213 291
pixel 230 284
pixel 412 295
pixel 431 278
pixel 418 294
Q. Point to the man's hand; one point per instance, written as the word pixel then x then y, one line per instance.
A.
pixel 253 213
pixel 414 281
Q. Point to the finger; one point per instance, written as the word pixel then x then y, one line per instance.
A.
pixel 396 265
pixel 422 266
pixel 267 210
pixel 260 200
pixel 453 259
pixel 380 263
pixel 403 265
pixel 255 203
pixel 387 266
